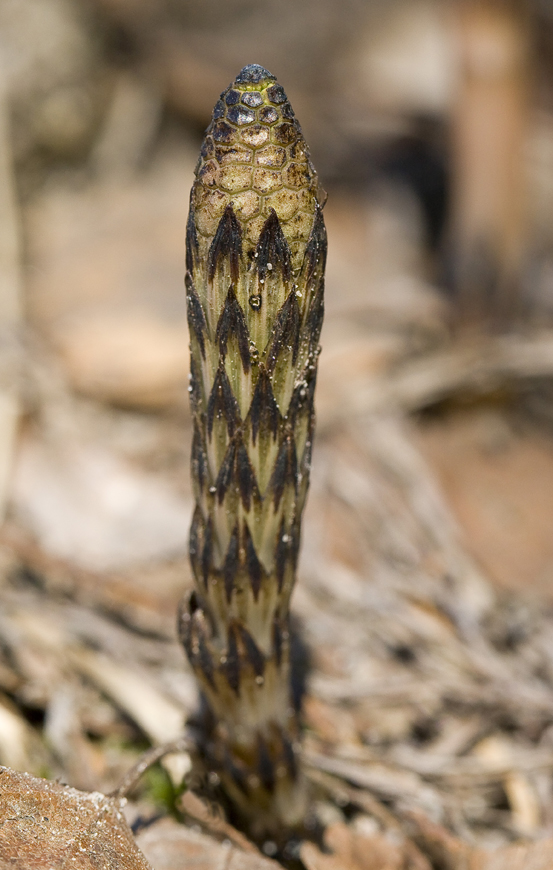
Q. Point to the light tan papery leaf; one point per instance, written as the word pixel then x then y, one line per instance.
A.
pixel 531 856
pixel 354 851
pixel 170 846
pixel 452 854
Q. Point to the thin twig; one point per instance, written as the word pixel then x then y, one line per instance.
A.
pixel 147 760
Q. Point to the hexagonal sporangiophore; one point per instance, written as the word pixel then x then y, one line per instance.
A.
pixel 267 181
pixel 207 149
pixel 235 178
pixel 296 175
pixel 253 99
pixel 299 226
pixel 284 134
pixel 232 154
pixel 255 136
pixel 241 115
pixel 271 155
pixel 209 174
pixel 209 206
pixel 268 115
pixel 296 151
pixel 246 204
pixel 223 133
pixel 285 203
pixel 276 94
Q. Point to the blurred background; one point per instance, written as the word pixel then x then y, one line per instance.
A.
pixel 431 125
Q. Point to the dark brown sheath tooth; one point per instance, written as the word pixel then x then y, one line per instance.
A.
pixel 199 462
pixel 302 398
pixel 183 626
pixel 264 412
pixel 233 323
pixel 195 544
pixel 196 319
pixel 191 238
pixel 222 403
pixel 282 553
pixel 224 477
pixel 285 470
pixel 277 643
pixel 236 773
pixel 232 663
pixel 315 320
pixel 255 255
pixel 286 332
pixel 205 660
pixel 226 243
pixel 193 603
pixel 229 566
pixel 194 389
pixel 265 766
pixel 207 552
pixel 247 483
pixel 253 654
pixel 253 565
pixel 289 757
pixel 315 254
pixel 273 249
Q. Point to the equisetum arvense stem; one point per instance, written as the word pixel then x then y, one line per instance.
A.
pixel 255 252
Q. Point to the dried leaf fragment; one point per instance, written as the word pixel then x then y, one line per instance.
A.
pixel 353 851
pixel 170 846
pixel 45 825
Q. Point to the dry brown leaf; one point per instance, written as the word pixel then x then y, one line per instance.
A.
pixel 442 848
pixel 86 506
pixel 134 360
pixel 533 856
pixel 197 809
pixel 170 846
pixel 45 825
pixel 354 851
pixel 452 854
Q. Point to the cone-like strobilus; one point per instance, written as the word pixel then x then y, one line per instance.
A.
pixel 256 250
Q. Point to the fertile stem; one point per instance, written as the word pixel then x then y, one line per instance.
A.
pixel 256 250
